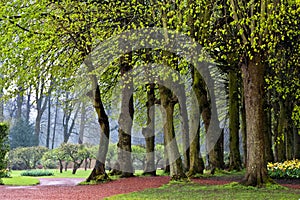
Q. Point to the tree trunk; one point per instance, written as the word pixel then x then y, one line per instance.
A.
pixel 296 143
pixel 282 128
pixel 234 144
pixel 98 173
pixel 28 106
pixel 196 160
pixel 126 118
pixel 211 123
pixel 55 122
pixel 82 123
pixel 1 107
pixel 149 132
pixel 253 80
pixel 49 122
pixel 19 105
pixel 168 102
pixel 268 130
pixel 185 129
pixel 61 167
pixel 244 128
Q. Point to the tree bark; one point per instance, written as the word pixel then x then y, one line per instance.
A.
pixel 282 128
pixel 82 123
pixel 98 173
pixel 296 143
pixel 253 80
pixel 185 129
pixel 244 128
pixel 234 144
pixel 1 107
pixel 149 132
pixel 268 130
pixel 196 160
pixel 168 103
pixel 55 122
pixel 49 122
pixel 126 118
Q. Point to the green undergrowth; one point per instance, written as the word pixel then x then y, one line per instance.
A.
pixel 227 192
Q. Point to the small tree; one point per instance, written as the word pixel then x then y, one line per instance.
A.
pixel 4 148
pixel 76 152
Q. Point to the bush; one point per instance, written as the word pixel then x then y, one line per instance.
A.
pixel 28 157
pixel 287 169
pixel 37 173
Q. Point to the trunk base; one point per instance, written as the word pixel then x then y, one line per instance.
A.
pixel 256 181
pixel 98 174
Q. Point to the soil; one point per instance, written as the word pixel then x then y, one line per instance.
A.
pixel 65 188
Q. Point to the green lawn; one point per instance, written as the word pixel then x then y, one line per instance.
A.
pixel 20 181
pixel 225 192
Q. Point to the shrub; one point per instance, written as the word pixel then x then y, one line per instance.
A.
pixel 287 169
pixel 27 157
pixel 37 173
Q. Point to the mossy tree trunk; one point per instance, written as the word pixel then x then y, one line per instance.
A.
pixel 234 156
pixel 196 160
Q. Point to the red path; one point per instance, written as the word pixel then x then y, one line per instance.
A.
pixel 63 190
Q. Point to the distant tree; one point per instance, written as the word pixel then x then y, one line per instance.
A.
pixel 30 156
pixel 4 148
pixel 22 134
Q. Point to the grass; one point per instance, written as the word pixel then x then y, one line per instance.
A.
pixel 224 192
pixel 66 174
pixel 20 181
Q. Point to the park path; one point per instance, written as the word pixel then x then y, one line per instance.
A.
pixel 67 191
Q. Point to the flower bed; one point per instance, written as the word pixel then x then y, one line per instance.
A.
pixel 286 169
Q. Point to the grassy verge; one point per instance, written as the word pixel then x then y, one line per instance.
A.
pixel 196 191
pixel 20 181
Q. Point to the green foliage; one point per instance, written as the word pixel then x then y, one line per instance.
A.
pixel 4 148
pixel 37 173
pixel 22 134
pixel 28 156
pixel 287 169
pixel 138 156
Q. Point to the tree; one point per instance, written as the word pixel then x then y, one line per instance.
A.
pixel 250 25
pixel 4 148
pixel 76 152
pixel 22 134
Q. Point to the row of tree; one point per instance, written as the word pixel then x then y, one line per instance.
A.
pixel 254 44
